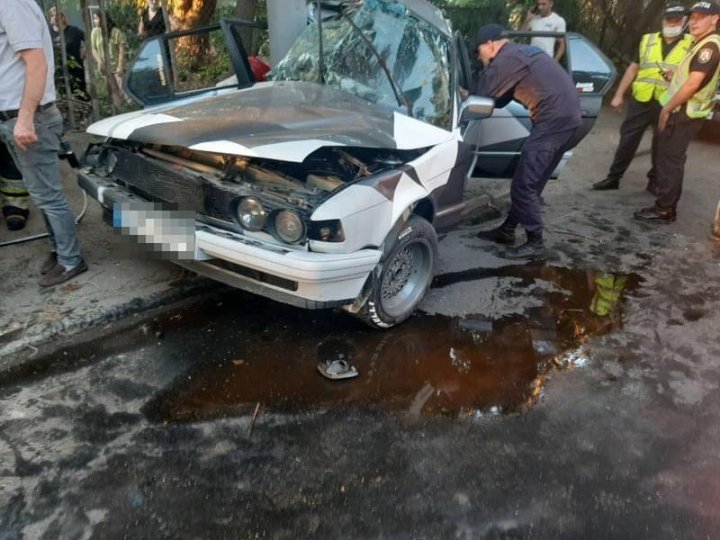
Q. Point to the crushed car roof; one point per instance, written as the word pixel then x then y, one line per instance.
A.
pixel 421 8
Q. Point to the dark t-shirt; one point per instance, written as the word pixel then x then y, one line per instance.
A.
pixel 153 26
pixel 706 61
pixel 74 38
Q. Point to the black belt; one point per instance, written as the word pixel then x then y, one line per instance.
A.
pixel 8 115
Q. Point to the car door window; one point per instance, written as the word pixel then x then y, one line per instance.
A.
pixel 591 71
pixel 180 64
pixel 149 73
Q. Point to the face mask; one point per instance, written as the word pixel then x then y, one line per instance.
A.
pixel 672 31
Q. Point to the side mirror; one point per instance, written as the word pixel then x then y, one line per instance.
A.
pixel 476 108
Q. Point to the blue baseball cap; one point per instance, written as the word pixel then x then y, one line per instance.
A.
pixel 489 32
pixel 706 7
pixel 674 10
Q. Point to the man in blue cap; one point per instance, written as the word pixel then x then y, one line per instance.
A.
pixel 528 75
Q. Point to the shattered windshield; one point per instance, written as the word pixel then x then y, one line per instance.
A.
pixel 415 55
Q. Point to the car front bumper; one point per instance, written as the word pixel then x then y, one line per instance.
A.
pixel 301 278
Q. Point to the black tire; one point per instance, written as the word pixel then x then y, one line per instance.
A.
pixel 402 277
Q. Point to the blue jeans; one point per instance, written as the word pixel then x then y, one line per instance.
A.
pixel 40 167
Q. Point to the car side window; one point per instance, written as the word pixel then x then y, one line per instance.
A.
pixel 148 76
pixel 591 71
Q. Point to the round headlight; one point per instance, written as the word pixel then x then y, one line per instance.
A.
pixel 289 226
pixel 251 214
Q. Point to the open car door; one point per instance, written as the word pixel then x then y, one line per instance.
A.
pixel 179 65
pixel 499 139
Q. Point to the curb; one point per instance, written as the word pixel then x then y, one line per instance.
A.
pixel 20 350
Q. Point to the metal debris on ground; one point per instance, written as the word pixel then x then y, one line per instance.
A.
pixel 337 369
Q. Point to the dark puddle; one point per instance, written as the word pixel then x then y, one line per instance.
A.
pixel 260 352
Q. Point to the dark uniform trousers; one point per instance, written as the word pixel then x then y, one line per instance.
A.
pixel 541 154
pixel 638 117
pixel 672 145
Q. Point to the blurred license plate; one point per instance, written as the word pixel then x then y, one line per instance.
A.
pixel 169 233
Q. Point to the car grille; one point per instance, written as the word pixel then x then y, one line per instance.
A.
pixel 256 275
pixel 165 184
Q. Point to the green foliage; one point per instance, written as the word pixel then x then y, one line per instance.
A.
pixel 469 15
pixel 615 26
pixel 126 16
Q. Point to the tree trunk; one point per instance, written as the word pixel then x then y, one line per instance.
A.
pixel 89 60
pixel 245 10
pixel 637 21
pixel 189 14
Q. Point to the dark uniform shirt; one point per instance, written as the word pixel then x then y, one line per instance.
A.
pixel 706 61
pixel 528 75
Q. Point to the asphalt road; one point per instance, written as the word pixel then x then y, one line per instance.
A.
pixel 507 409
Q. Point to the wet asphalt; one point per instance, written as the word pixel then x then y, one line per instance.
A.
pixel 212 421
pixel 510 407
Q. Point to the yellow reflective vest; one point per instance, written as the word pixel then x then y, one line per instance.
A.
pixel 702 103
pixel 608 292
pixel 649 82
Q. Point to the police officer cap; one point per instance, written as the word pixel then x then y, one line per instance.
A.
pixel 674 10
pixel 489 32
pixel 706 7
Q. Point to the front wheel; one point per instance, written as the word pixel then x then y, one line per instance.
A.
pixel 403 276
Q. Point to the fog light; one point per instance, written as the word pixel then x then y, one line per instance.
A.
pixel 251 214
pixel 289 226
pixel 326 231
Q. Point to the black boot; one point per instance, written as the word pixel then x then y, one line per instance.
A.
pixel 532 250
pixel 504 234
pixel 608 183
pixel 655 214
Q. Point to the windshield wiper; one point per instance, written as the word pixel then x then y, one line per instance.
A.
pixel 393 84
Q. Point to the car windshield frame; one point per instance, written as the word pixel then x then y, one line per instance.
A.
pixel 379 51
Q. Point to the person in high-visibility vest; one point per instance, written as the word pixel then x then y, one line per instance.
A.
pixel 608 293
pixel 14 196
pixel 658 56
pixel 687 103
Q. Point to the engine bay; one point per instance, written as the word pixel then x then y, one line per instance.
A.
pixel 302 185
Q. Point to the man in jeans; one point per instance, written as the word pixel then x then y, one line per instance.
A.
pixel 31 126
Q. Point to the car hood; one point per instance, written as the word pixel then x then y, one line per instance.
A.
pixel 284 121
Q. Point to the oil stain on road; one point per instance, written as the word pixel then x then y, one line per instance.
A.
pixel 250 351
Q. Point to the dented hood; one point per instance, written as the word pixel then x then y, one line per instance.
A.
pixel 284 121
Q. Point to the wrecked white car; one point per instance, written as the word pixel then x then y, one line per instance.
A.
pixel 327 185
